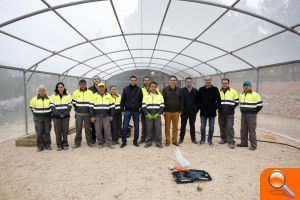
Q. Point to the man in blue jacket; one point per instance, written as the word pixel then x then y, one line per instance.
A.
pixel 131 103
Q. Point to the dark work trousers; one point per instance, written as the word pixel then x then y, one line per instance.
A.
pixel 226 123
pixel 144 129
pixel 42 129
pixel 153 131
pixel 80 119
pixel 248 125
pixel 61 128
pixel 191 116
pixel 103 124
pixel 93 133
pixel 116 126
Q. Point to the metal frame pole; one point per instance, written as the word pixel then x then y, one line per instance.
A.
pixel 25 102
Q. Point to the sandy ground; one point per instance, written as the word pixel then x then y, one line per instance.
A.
pixel 139 173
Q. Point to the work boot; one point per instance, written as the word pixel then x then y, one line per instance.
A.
pixel 76 146
pixel 222 142
pixel 122 145
pixel 231 146
pixel 241 145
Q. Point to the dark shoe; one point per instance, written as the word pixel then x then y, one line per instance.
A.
pixel 147 145
pixel 65 148
pixel 201 142
pixel 48 148
pixel 76 146
pixel 175 144
pixel 101 146
pixel 222 142
pixel 122 145
pixel 167 144
pixel 117 142
pixel 91 145
pixel 231 146
pixel 136 144
pixel 180 141
pixel 40 149
pixel 141 141
pixel 210 144
pixel 252 148
pixel 160 146
pixel 194 142
pixel 241 145
pixel 59 148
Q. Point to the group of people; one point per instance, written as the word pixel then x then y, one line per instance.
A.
pixel 101 113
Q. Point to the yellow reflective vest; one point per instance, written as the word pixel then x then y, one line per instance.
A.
pixel 82 101
pixel 250 102
pixel 61 105
pixel 40 106
pixel 117 102
pixel 229 101
pixel 103 105
pixel 153 103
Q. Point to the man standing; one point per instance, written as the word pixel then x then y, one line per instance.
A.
pixel 173 105
pixel 94 88
pixel 189 111
pixel 153 107
pixel 208 101
pixel 145 89
pixel 131 103
pixel 229 101
pixel 116 123
pixel 40 107
pixel 250 104
pixel 81 100
pixel 102 114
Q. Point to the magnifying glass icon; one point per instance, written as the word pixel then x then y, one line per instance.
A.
pixel 277 180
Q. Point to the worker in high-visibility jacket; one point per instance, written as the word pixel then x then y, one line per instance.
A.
pixel 250 105
pixel 82 102
pixel 102 114
pixel 145 90
pixel 116 124
pixel 229 101
pixel 153 107
pixel 40 107
pixel 61 105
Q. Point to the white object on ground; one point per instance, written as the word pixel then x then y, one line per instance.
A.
pixel 181 160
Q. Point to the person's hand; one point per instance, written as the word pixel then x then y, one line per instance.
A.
pixel 61 116
pixel 149 116
pixel 163 113
pixel 111 118
pixel 123 113
pixel 155 116
pixel 93 120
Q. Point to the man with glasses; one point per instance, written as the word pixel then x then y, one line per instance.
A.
pixel 229 101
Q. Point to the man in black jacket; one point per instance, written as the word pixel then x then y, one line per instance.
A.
pixel 131 103
pixel 189 111
pixel 208 101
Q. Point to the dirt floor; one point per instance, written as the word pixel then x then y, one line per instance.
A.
pixel 139 173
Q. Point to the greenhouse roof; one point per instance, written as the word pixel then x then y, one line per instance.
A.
pixel 181 37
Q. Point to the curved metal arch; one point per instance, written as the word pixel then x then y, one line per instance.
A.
pixel 187 67
pixel 193 1
pixel 137 49
pixel 156 68
pixel 132 68
pixel 167 35
pixel 83 75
